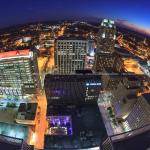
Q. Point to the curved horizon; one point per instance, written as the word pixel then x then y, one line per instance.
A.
pixel 22 12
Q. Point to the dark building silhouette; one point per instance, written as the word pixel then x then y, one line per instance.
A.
pixel 72 89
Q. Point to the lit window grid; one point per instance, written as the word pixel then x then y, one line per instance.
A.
pixel 70 56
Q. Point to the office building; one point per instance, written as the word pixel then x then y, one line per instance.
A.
pixel 139 115
pixel 145 66
pixel 103 61
pixel 129 107
pixel 19 73
pixel 134 81
pixel 119 64
pixel 72 89
pixel 139 123
pixel 13 143
pixel 105 54
pixel 70 54
pixel 91 48
pixel 111 79
pixel 131 113
pixel 133 140
pixel 106 36
pixel 74 120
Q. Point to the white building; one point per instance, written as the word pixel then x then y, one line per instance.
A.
pixel 70 54
pixel 19 73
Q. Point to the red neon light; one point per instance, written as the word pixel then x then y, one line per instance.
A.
pixel 15 53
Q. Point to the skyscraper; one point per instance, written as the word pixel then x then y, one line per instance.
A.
pixel 111 79
pixel 130 108
pixel 70 54
pixel 105 54
pixel 19 73
pixel 72 89
pixel 132 113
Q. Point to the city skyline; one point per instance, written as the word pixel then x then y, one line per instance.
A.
pixel 130 13
pixel 74 75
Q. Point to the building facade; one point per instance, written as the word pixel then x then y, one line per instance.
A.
pixel 110 79
pixel 19 73
pixel 139 116
pixel 132 109
pixel 105 56
pixel 70 54
pixel 72 89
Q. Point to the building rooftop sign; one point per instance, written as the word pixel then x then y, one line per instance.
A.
pixel 16 53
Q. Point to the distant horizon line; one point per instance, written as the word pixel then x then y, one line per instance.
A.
pixel 119 22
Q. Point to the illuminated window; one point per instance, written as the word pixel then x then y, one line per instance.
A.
pixel 105 20
pixel 110 25
pixel 112 22
pixel 103 35
pixel 114 37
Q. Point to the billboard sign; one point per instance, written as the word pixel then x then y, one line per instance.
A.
pixel 15 53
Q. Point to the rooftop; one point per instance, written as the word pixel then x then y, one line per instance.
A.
pixel 9 146
pixel 71 78
pixel 8 115
pixel 71 38
pixel 9 143
pixel 27 111
pixel 14 130
pixel 138 142
pixel 71 89
pixel 147 97
pixel 15 53
pixel 87 127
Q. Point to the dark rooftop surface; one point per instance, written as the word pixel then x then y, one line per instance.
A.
pixel 133 78
pixel 84 71
pixel 86 121
pixel 143 63
pixel 112 72
pixel 27 110
pixel 73 78
pixel 123 52
pixel 139 142
pixel 147 97
pixel 6 146
pixel 87 124
pixel 13 130
pixel 12 143
pixel 71 89
pixel 75 38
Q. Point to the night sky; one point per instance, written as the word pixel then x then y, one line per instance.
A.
pixel 24 11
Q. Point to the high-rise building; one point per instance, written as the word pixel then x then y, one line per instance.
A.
pixel 137 139
pixel 72 104
pixel 123 100
pixel 19 74
pixel 106 36
pixel 134 114
pixel 139 115
pixel 139 123
pixel 72 89
pixel 129 107
pixel 14 143
pixel 145 66
pixel 105 54
pixel 70 54
pixel 111 79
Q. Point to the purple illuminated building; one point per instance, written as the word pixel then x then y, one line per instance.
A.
pixel 60 125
